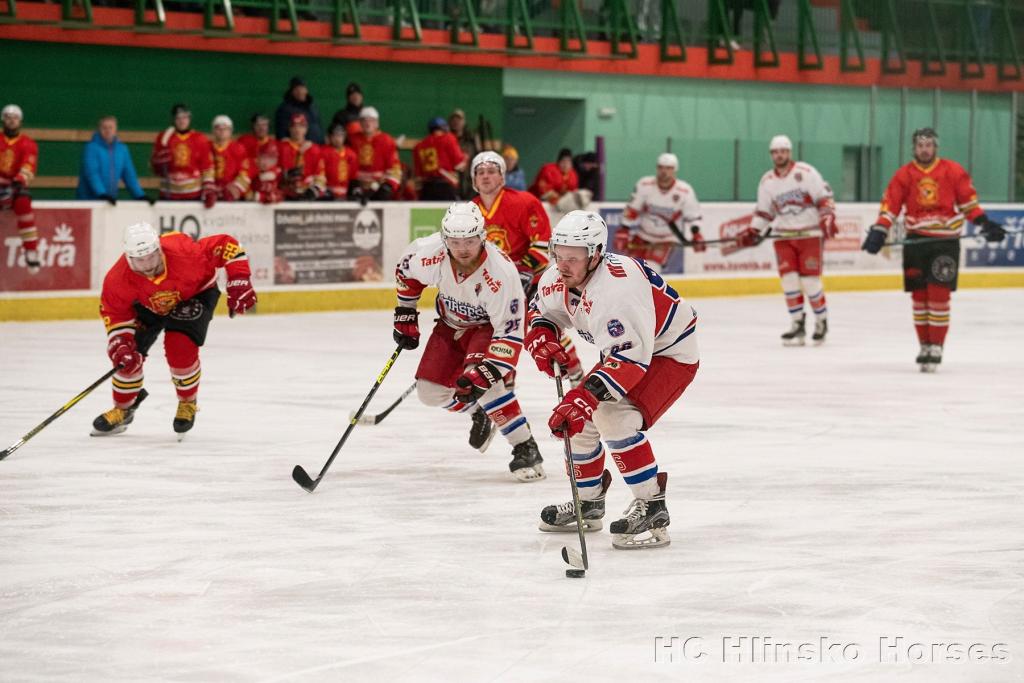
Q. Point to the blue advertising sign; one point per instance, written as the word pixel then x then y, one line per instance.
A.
pixel 613 217
pixel 1009 253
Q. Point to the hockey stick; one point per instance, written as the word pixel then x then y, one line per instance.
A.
pixel 299 475
pixel 63 409
pixel 572 557
pixel 379 417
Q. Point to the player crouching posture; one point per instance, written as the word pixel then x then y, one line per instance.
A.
pixel 165 283
pixel 647 336
pixel 470 360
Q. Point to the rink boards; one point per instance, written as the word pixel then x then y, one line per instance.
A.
pixel 320 256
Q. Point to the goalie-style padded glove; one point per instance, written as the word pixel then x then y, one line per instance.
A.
pixel 990 230
pixel 475 381
pixel 124 353
pixel 572 414
pixel 875 240
pixel 407 327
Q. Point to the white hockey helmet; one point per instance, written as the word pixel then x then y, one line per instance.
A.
pixel 462 219
pixel 668 159
pixel 581 229
pixel 487 157
pixel 223 120
pixel 12 110
pixel 780 142
pixel 140 240
pixel 369 113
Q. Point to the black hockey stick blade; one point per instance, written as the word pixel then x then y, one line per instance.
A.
pixel 303 479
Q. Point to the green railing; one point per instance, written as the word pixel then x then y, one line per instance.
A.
pixel 940 33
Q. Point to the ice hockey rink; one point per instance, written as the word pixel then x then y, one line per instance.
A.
pixel 835 514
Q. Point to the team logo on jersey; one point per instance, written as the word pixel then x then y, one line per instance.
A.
pixel 944 268
pixel 7 161
pixel 163 303
pixel 476 290
pixel 675 198
pixel 498 235
pixel 798 176
pixel 513 306
pixel 615 328
pixel 927 192
pixel 182 155
pixel 187 310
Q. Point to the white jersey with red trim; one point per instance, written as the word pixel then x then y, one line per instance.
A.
pixel 794 202
pixel 490 295
pixel 628 312
pixel 650 208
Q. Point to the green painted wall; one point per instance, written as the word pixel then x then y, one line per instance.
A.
pixel 69 86
pixel 705 118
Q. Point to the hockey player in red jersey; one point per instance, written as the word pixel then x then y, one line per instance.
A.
pixel 165 284
pixel 556 179
pixel 470 359
pixel 300 162
pixel 231 169
pixel 257 140
pixel 937 195
pixel 518 224
pixel 380 172
pixel 646 334
pixel 437 161
pixel 19 157
pixel 266 185
pixel 339 164
pixel 182 160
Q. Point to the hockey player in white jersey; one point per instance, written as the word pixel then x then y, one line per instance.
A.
pixel 656 201
pixel 647 337
pixel 470 359
pixel 797 202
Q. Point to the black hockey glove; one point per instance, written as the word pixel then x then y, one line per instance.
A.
pixel 875 240
pixel 383 193
pixel 990 230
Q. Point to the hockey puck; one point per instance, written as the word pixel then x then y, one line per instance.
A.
pixel 575 573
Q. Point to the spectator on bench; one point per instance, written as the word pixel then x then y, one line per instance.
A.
pixel 105 163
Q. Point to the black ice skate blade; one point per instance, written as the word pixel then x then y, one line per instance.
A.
pixel 303 479
pixel 575 573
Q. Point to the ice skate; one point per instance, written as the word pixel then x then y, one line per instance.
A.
pixel 820 330
pixel 526 462
pixel 930 357
pixel 482 432
pixel 32 263
pixel 116 420
pixel 562 518
pixel 645 524
pixel 797 334
pixel 185 418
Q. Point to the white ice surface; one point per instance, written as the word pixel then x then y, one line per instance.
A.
pixel 815 492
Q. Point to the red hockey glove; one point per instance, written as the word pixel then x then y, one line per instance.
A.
pixel 241 296
pixel 542 343
pixel 209 195
pixel 751 237
pixel 572 414
pixel 475 381
pixel 697 239
pixel 232 193
pixel 407 327
pixel 827 223
pixel 621 240
pixel 123 353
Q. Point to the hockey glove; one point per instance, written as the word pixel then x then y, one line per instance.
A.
pixel 697 239
pixel 990 230
pixel 827 223
pixel 124 354
pixel 621 240
pixel 875 240
pixel 475 381
pixel 383 193
pixel 751 237
pixel 241 296
pixel 209 195
pixel 162 161
pixel 110 199
pixel 542 344
pixel 572 414
pixel 407 327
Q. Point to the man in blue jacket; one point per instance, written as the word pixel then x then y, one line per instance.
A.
pixel 105 162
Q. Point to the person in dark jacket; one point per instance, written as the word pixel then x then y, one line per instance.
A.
pixel 297 100
pixel 105 163
pixel 353 105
